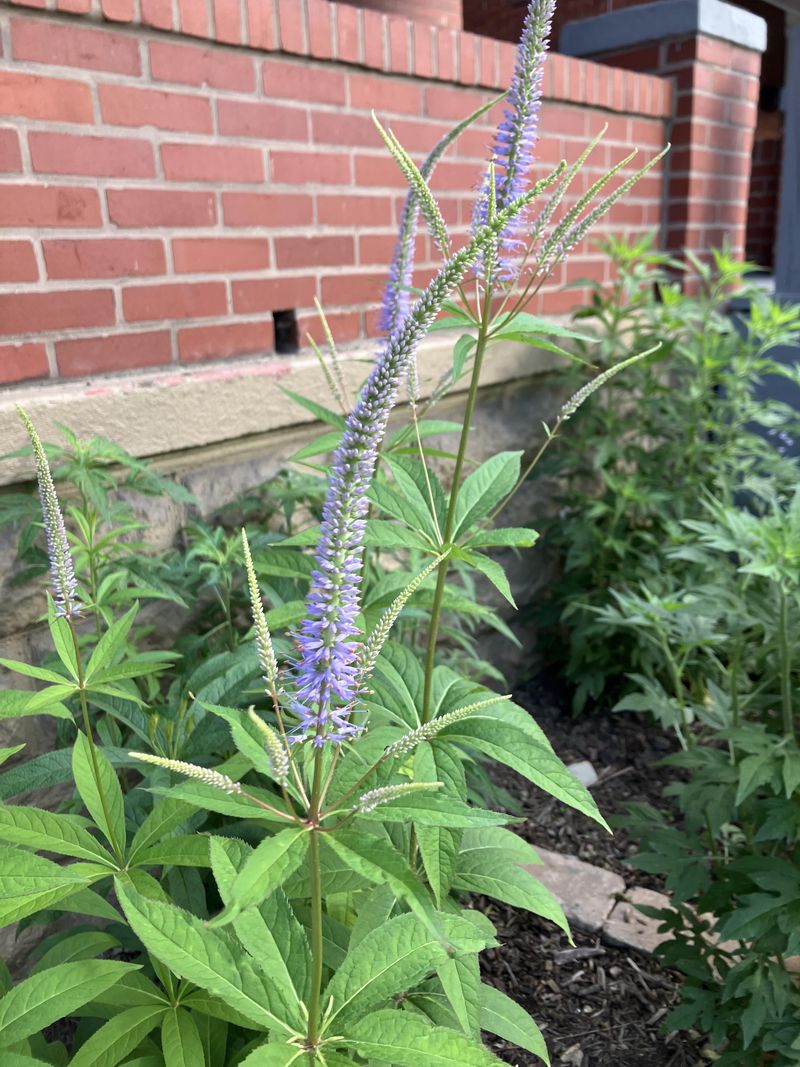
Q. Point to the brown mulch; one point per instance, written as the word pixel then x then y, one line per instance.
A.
pixel 597 1006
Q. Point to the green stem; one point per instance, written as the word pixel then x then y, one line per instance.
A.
pixel 87 729
pixel 316 909
pixel 785 653
pixel 441 576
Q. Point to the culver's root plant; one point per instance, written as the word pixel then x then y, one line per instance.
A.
pixel 291 886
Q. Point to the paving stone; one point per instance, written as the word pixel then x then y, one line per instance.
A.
pixel 584 772
pixel 586 893
pixel 628 927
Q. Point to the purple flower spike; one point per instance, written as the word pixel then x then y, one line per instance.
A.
pixel 515 139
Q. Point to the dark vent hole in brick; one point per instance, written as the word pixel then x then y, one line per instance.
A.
pixel 287 342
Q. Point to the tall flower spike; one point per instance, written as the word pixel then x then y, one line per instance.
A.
pixel 266 653
pixel 276 750
pixel 516 135
pixel 62 571
pixel 327 673
pixel 371 800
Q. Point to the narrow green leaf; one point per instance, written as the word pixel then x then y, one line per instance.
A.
pixel 480 873
pixel 461 981
pixel 502 1016
pixel 392 959
pixel 87 945
pixel 189 850
pixel 180 1040
pixel 29 883
pixel 44 998
pixel 275 859
pixel 210 959
pixel 275 1056
pixel 504 537
pixel 62 639
pixel 38 829
pixel 102 797
pixel 400 1039
pixel 111 643
pixel 167 815
pixel 317 410
pixel 490 569
pixel 484 488
pixel 119 1037
pixel 430 809
pixel 44 700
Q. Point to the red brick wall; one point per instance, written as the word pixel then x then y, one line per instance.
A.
pixel 765 182
pixel 160 197
pixel 439 12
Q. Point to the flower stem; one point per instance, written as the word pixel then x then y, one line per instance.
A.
pixel 441 576
pixel 316 908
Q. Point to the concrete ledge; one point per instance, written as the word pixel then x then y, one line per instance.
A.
pixel 658 21
pixel 170 412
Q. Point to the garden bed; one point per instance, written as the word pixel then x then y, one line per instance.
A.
pixel 597 1005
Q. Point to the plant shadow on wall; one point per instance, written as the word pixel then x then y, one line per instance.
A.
pixel 279 868
pixel 680 536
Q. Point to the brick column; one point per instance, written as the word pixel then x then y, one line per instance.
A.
pixel 712 50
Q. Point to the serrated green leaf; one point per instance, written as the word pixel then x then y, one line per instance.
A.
pixel 502 1016
pixel 180 1040
pixel 461 981
pixel 430 809
pixel 87 945
pixel 265 869
pixel 50 995
pixel 120 1036
pixel 478 872
pixel 392 959
pixel 43 701
pixel 381 863
pixel 39 829
pixel 400 1039
pixel 503 537
pixel 103 799
pixel 185 850
pixel 490 569
pixel 438 845
pixel 29 883
pixel 42 674
pixel 380 533
pixel 275 1056
pixel 210 959
pixel 111 643
pixel 167 815
pixel 245 736
pixel 496 839
pixel 270 932
pixel 484 488
pixel 63 642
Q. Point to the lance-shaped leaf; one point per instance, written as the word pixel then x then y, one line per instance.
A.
pixel 15 703
pixel 478 872
pixel 63 834
pixel 165 818
pixel 210 959
pixel 189 850
pixel 392 959
pixel 461 981
pixel 428 809
pixel 438 845
pixel 484 488
pixel 275 1056
pixel 269 932
pixel 180 1040
pixel 119 1037
pixel 48 996
pixel 401 1039
pixel 381 863
pixel 87 945
pixel 502 1016
pixel 29 883
pixel 103 800
pixel 265 869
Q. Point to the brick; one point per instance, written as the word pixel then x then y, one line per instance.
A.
pixel 375 248
pixel 375 34
pixel 228 21
pixel 468 56
pixel 351 211
pixel 117 10
pixel 10 158
pixel 488 61
pixel 423 49
pixel 21 362
pixel 345 326
pixel 301 168
pixel 35 97
pixel 266 121
pixel 291 22
pixel 341 127
pixel 67 45
pixel 569 121
pixel 102 157
pixel 115 352
pixel 368 91
pixel 74 7
pixel 193 18
pixel 147 208
pixel 200 255
pixel 104 257
pixel 349 289
pixel 443 102
pixel 349 25
pixel 212 163
pixel 421 136
pixel 49 206
pixel 22 313
pixel 121 105
pixel 320 28
pixel 295 253
pixel 457 176
pixel 181 300
pixel 18 262
pixel 190 64
pixel 200 343
pixel 272 294
pixel 379 171
pixel 267 209
pixel 399 51
pixel 157 13
pixel 261 25
pixel 298 81
pixel 446 45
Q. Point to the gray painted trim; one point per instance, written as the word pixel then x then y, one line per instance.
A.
pixel 657 21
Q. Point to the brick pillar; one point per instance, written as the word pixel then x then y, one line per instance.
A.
pixel 712 50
